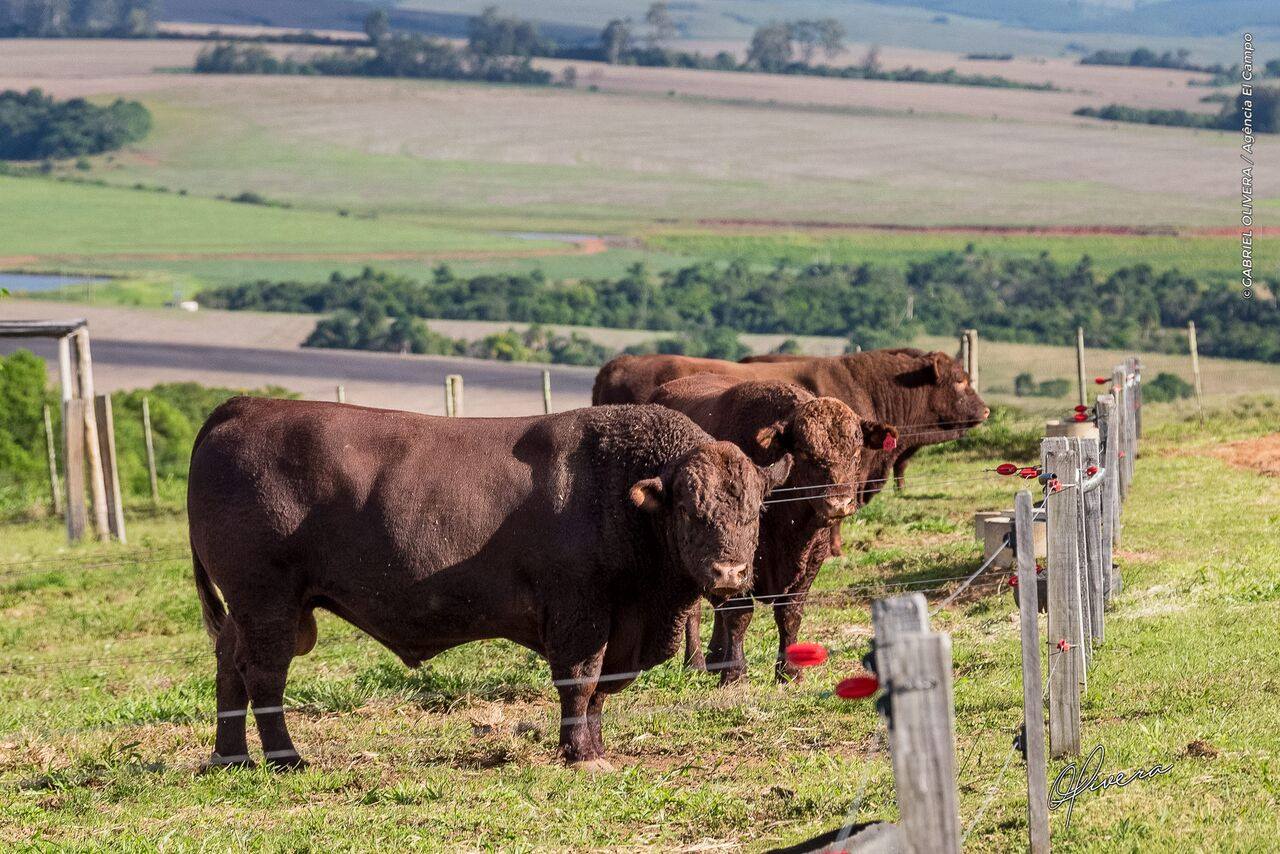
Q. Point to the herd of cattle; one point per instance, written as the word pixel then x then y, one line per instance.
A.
pixel 587 536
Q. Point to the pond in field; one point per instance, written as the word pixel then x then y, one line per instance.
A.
pixel 31 282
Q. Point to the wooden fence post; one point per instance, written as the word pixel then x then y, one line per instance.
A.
pixel 111 473
pixel 1105 407
pixel 73 466
pixel 341 393
pixel 1084 401
pixel 1091 517
pixel 1195 366
pixel 914 665
pixel 1032 702
pixel 546 392
pixel 973 358
pixel 151 452
pixel 1137 405
pixel 1066 658
pixel 55 489
pixel 1120 390
pixel 92 452
pixel 453 395
pixel 964 351
pixel 1082 555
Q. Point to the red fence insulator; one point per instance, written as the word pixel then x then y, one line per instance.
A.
pixel 1028 473
pixel 1101 380
pixel 1080 416
pixel 806 654
pixel 1063 646
pixel 1013 581
pixel 1006 469
pixel 1091 471
pixel 1082 408
pixel 857 687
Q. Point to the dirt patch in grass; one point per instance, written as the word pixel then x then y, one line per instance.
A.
pixel 1261 455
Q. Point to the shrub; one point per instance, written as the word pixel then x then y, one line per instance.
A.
pixel 1166 387
pixel 35 126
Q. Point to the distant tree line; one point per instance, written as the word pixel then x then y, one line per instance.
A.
pixel 33 126
pixel 1143 57
pixel 1265 107
pixel 498 51
pixel 1035 300
pixel 780 47
pixel 77 18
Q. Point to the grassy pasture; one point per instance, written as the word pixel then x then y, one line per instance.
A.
pixel 458 754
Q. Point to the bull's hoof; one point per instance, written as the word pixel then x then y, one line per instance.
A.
pixel 599 765
pixel 217 763
pixel 697 662
pixel 728 677
pixel 788 675
pixel 283 764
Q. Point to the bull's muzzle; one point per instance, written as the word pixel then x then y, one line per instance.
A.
pixel 729 578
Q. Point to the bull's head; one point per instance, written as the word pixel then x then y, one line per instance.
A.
pixel 826 439
pixel 954 403
pixel 711 500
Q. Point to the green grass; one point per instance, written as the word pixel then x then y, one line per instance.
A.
pixel 52 218
pixel 460 753
pixel 1194 255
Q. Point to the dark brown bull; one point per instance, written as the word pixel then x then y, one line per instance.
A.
pixel 584 536
pixel 826 440
pixel 928 396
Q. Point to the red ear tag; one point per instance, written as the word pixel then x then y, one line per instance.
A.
pixel 890 442
pixel 806 654
pixel 857 687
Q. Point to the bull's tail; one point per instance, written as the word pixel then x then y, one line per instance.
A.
pixel 211 607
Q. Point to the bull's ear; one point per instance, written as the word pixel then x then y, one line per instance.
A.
pixel 879 436
pixel 770 436
pixel 647 494
pixel 775 475
pixel 940 363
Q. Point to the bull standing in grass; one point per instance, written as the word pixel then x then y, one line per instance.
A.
pixel 584 536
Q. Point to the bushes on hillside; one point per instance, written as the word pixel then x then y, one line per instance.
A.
pixel 1166 387
pixel 1263 114
pixel 1013 299
pixel 34 126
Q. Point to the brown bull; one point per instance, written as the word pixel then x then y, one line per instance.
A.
pixel 928 396
pixel 826 441
pixel 584 536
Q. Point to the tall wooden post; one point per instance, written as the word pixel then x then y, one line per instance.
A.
pixel 1082 556
pixel 92 449
pixel 965 362
pixel 341 394
pixel 1084 401
pixel 73 466
pixel 151 452
pixel 448 396
pixel 1119 387
pixel 455 393
pixel 972 335
pixel 1066 655
pixel 55 489
pixel 1195 367
pixel 1032 704
pixel 915 668
pixel 107 448
pixel 1108 496
pixel 546 392
pixel 1090 457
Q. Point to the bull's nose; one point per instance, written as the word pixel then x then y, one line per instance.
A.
pixel 728 578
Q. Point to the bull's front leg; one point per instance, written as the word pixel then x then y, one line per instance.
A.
pixel 788 619
pixel 726 653
pixel 577 681
pixel 693 657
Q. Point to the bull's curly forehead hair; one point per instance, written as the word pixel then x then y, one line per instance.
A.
pixel 827 429
pixel 718 478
